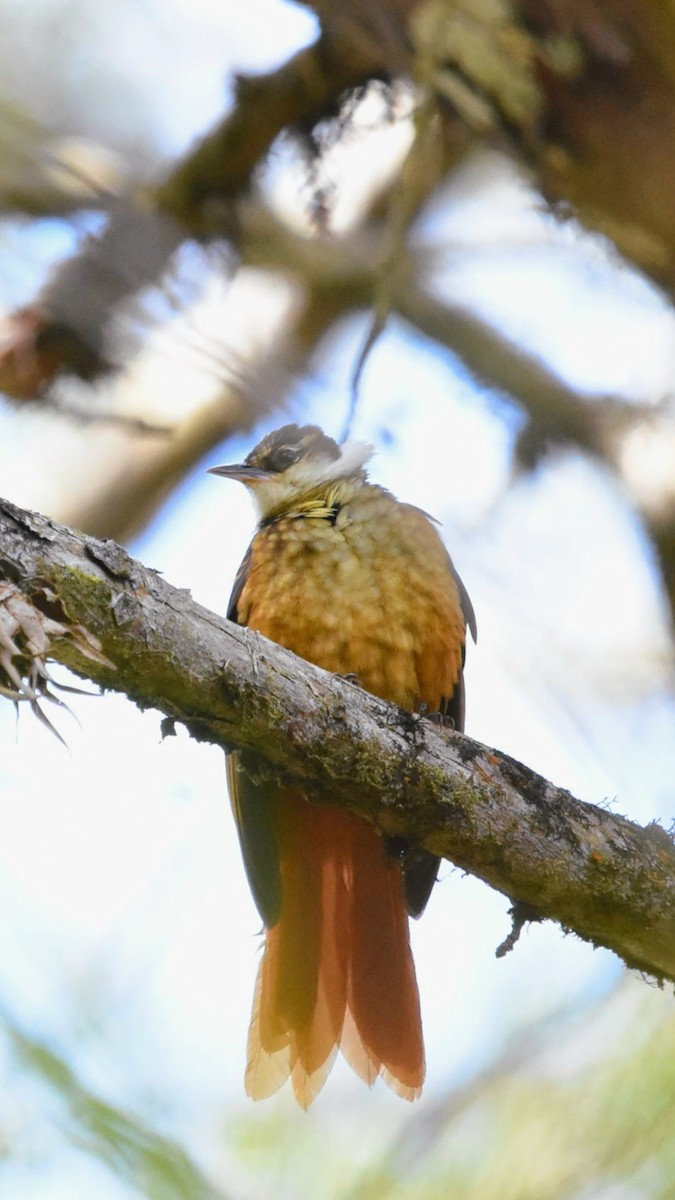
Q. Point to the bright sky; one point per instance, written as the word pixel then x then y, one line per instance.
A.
pixel 129 937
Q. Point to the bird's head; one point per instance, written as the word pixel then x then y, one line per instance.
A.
pixel 297 464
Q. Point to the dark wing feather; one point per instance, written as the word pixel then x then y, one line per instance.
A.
pixel 420 872
pixel 255 814
pixel 420 868
pixel 467 606
pixel 253 806
pixel 238 586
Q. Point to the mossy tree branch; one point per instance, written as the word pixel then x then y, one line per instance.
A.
pixel 598 874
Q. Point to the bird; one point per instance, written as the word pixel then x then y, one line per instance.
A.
pixel 351 579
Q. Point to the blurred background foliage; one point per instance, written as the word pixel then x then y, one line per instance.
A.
pixel 465 207
pixel 559 1113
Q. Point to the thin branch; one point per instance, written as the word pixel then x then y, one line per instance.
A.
pixel 219 168
pixel 346 272
pixel 64 330
pixel 566 105
pixel 557 412
pixel 597 874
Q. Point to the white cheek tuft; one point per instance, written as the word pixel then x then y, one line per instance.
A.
pixel 272 495
pixel 354 455
pixel 311 472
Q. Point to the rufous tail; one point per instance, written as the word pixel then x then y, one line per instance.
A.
pixel 337 969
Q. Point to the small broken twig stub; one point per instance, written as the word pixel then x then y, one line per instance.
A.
pixel 29 629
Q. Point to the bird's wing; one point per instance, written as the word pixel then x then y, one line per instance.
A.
pixel 255 813
pixel 238 586
pixel 467 606
pixel 254 805
pixel 420 867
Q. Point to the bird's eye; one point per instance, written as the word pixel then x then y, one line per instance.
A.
pixel 285 456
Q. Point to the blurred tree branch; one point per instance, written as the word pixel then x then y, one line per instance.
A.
pixel 598 874
pixel 583 95
pixel 340 276
pixel 65 329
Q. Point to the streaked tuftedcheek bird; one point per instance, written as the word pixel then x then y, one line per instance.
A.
pixel 345 575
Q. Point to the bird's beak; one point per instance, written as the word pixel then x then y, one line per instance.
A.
pixel 241 471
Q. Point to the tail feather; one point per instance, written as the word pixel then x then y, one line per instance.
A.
pixel 383 996
pixel 316 1041
pixel 266 1070
pixel 300 998
pixel 306 1086
pixel 337 970
pixel 360 1059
